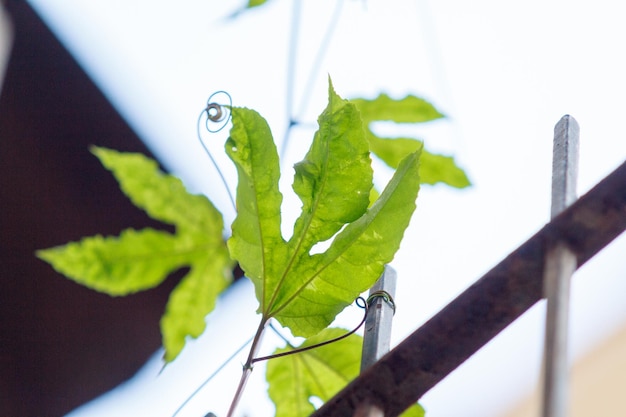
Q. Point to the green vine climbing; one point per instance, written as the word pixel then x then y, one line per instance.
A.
pixel 302 290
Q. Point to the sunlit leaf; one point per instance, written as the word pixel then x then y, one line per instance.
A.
pixel 410 109
pixel 193 299
pixel 139 260
pixel 255 3
pixel 416 410
pixel 163 197
pixel 433 168
pixel 256 242
pixel 134 261
pixel 317 373
pixel 374 194
pixel 303 291
pixel 334 179
pixel 321 285
pixel 441 168
pixel 392 151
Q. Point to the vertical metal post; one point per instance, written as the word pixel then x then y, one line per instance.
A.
pixel 377 333
pixel 560 264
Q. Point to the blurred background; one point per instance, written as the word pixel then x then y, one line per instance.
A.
pixel 134 75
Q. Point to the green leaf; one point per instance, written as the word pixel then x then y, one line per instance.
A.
pixel 374 194
pixel 322 285
pixel 304 291
pixel 192 300
pixel 441 168
pixel 256 240
pixel 255 3
pixel 320 372
pixel 334 179
pixel 139 260
pixel 434 168
pixel 163 197
pixel 134 261
pixel 416 410
pixel 392 151
pixel 410 109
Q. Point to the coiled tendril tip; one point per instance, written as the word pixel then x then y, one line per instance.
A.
pixel 217 112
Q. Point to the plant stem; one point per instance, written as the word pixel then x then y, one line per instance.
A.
pixel 247 367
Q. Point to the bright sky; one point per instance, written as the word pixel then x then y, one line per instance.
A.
pixel 504 73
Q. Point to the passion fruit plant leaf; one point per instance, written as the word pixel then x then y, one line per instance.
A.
pixel 193 299
pixel 306 291
pixel 317 373
pixel 392 151
pixel 255 3
pixel 134 261
pixel 355 259
pixel 334 179
pixel 256 241
pixel 433 168
pixel 440 168
pixel 410 109
pixel 139 260
pixel 163 197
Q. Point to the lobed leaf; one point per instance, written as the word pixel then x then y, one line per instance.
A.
pixel 256 240
pixel 163 197
pixel 193 299
pixel 410 109
pixel 134 261
pixel 255 3
pixel 434 168
pixel 441 168
pixel 139 260
pixel 334 181
pixel 320 373
pixel 323 284
pixel 392 151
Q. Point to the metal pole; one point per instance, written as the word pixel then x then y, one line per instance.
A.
pixel 377 333
pixel 560 264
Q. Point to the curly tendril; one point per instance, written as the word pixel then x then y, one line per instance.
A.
pixel 219 114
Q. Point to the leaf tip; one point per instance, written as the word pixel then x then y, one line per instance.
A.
pixel 103 154
pixel 43 254
pixel 97 150
pixel 331 88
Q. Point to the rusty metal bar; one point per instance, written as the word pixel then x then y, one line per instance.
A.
pixel 418 363
pixel 559 266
